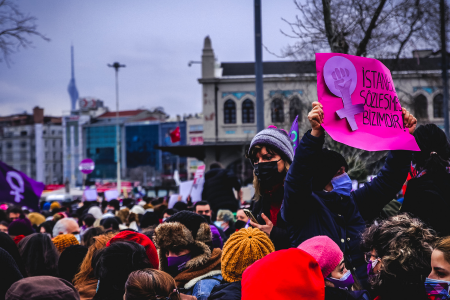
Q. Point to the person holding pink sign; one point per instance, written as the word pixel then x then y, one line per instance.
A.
pixel 318 196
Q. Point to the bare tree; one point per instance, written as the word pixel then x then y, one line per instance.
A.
pixel 16 29
pixel 376 28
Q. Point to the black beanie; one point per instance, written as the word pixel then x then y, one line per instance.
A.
pixel 189 219
pixel 329 164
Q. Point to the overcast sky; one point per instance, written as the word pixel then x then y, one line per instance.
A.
pixel 154 38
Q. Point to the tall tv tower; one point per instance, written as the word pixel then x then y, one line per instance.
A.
pixel 72 88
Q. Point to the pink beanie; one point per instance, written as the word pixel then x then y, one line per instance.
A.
pixel 325 251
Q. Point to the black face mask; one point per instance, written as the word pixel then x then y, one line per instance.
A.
pixel 268 174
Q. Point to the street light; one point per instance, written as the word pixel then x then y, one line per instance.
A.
pixel 116 66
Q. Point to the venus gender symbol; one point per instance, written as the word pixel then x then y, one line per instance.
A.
pixel 341 77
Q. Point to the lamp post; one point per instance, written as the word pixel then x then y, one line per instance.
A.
pixel 258 68
pixel 443 9
pixel 116 66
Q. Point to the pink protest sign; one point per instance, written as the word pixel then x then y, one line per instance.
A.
pixel 360 104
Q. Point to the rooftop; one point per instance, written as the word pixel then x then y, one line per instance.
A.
pixel 123 113
pixel 305 67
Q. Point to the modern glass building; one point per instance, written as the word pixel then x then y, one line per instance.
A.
pixel 141 140
pixel 101 148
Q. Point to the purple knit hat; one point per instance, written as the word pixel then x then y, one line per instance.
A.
pixel 20 226
pixel 276 138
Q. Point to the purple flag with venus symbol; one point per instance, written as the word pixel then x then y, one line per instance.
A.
pixel 293 134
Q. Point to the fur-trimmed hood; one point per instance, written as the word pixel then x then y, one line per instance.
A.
pixel 176 236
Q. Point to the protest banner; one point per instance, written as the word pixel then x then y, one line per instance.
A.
pixel 90 194
pixel 360 103
pixel 174 199
pixel 18 188
pixel 199 173
pixel 189 188
pixel 111 195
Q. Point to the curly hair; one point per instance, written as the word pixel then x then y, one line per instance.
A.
pixel 404 245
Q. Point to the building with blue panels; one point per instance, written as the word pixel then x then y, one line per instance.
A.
pixel 141 140
pixel 101 148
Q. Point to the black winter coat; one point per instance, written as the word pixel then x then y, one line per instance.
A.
pixel 279 235
pixel 226 291
pixel 218 189
pixel 311 213
pixel 338 294
pixel 428 198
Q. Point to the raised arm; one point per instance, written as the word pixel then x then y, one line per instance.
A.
pixel 298 200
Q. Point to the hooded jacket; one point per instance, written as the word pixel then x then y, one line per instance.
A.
pixel 284 274
pixel 434 191
pixel 203 271
pixel 42 288
pixel 218 189
pixel 310 213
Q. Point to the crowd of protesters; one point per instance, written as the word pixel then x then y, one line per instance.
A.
pixel 309 234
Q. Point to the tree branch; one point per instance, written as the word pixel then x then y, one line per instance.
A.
pixel 361 50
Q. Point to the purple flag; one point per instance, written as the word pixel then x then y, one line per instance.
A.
pixel 293 133
pixel 18 188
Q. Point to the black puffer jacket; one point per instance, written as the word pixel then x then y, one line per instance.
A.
pixel 428 198
pixel 279 235
pixel 218 189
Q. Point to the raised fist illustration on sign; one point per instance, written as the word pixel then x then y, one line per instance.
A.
pixel 341 77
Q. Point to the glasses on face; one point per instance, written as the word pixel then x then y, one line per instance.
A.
pixel 203 212
pixel 370 257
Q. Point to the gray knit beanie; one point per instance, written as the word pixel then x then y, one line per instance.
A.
pixel 275 138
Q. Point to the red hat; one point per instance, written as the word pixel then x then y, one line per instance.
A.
pixel 325 251
pixel 141 239
pixel 284 274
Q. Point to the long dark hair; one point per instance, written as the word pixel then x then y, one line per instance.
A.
pixel 9 246
pixel 434 154
pixel 39 255
pixel 113 264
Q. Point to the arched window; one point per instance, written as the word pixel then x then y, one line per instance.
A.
pixel 420 107
pixel 229 112
pixel 438 106
pixel 295 109
pixel 277 111
pixel 248 111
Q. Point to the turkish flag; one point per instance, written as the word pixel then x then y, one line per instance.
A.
pixel 175 135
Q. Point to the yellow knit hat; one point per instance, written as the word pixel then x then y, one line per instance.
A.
pixel 54 205
pixel 63 241
pixel 36 218
pixel 241 250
